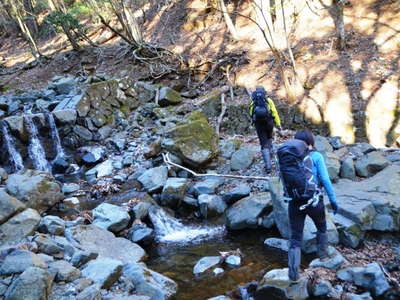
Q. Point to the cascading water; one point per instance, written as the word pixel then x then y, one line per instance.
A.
pixel 169 229
pixel 35 149
pixel 14 156
pixel 55 136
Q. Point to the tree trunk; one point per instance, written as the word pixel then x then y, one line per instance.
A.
pixel 337 9
pixel 228 20
pixel 30 18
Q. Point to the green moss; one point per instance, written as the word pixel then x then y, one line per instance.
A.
pixel 125 110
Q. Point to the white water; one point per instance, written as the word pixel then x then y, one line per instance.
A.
pixel 15 158
pixel 35 149
pixel 55 136
pixel 169 229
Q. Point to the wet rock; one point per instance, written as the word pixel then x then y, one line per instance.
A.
pixel 150 283
pixel 218 271
pixel 350 233
pixel 20 260
pixel 90 293
pixel 140 233
pixel 335 261
pixel 206 263
pixel 80 258
pixel 370 164
pixel 93 238
pixel 233 261
pixel 241 159
pixel 92 155
pixel 174 191
pixel 277 243
pixel 141 210
pixel 194 140
pixel 154 179
pixel 207 186
pixel 347 169
pixel 52 224
pixel 33 283
pixel 245 212
pixel 36 189
pixel 239 192
pixel 168 96
pixel 65 271
pixel 213 204
pixel 69 188
pixel 65 116
pixel 9 206
pixel 103 271
pixel 322 288
pixel 276 285
pixel 220 298
pixel 110 217
pixel 370 277
pixel 101 170
pixel 322 145
pixel 19 226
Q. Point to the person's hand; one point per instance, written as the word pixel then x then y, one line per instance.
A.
pixel 335 207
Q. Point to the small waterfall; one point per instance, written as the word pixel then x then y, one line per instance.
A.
pixel 55 136
pixel 169 229
pixel 35 149
pixel 15 158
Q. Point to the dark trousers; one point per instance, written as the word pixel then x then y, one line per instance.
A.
pixel 297 218
pixel 264 131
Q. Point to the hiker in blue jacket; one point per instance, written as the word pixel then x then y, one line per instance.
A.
pixel 298 211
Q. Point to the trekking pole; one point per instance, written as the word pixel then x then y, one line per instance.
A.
pixel 169 163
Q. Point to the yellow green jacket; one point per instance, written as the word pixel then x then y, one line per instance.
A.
pixel 272 108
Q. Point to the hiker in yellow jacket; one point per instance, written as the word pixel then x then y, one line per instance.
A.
pixel 264 116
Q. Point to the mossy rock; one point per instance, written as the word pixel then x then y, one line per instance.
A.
pixel 169 96
pixel 193 140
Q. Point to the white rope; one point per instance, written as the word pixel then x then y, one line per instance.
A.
pixel 169 163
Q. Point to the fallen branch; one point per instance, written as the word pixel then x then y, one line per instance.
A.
pixel 169 163
pixel 221 116
pixel 392 280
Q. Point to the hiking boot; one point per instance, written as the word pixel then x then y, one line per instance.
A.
pixel 266 154
pixel 294 258
pixel 322 246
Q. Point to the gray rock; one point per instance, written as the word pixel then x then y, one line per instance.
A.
pixel 101 170
pixel 103 271
pixel 150 283
pixel 140 233
pixel 110 217
pixel 154 179
pixel 241 159
pixel 168 96
pixel 360 149
pixel 322 288
pixel 190 202
pixel 218 271
pixel 36 189
pixel 350 233
pixel 333 165
pixel 80 258
pixel 141 210
pixel 20 260
pixel 363 296
pixel 92 154
pixel 118 144
pixel 245 212
pixel 233 261
pixel 3 175
pixel 394 157
pixel 268 221
pixel 212 205
pixel 206 263
pixel 220 298
pixel 385 222
pixel 277 243
pixel 322 145
pixel 46 258
pixel 370 164
pixel 336 142
pixel 93 238
pixel 207 186
pixel 335 261
pixel 65 116
pixel 239 192
pixel 90 293
pixel 65 271
pixel 83 133
pixel 63 85
pixel 52 224
pixel 227 148
pixel 347 169
pixel 69 188
pixel 34 283
pixel 370 277
pixel 276 285
pixel 19 226
pixel 49 246
pixel 174 191
pixel 72 202
pixel 120 178
pixel 9 206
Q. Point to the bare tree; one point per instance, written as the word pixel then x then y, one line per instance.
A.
pixel 335 9
pixel 228 20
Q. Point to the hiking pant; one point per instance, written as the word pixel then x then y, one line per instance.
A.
pixel 264 131
pixel 297 218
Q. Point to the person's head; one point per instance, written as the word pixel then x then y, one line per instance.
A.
pixel 306 136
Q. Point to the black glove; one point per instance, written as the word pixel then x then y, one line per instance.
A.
pixel 335 207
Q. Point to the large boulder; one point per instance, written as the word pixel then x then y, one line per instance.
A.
pixel 150 283
pixel 103 271
pixel 111 217
pixel 154 179
pixel 245 212
pixel 19 226
pixel 34 284
pixel 242 159
pixel 277 285
pixel 235 194
pixel 174 191
pixel 20 260
pixel 370 164
pixel 104 242
pixel 193 140
pixel 333 165
pixel 211 205
pixel 347 169
pixel 207 186
pixel 350 233
pixel 36 189
pixel 323 145
pixel 9 206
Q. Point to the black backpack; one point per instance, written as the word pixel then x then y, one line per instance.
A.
pixel 261 108
pixel 295 166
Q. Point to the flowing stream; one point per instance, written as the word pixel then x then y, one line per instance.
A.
pixel 36 151
pixel 55 136
pixel 14 156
